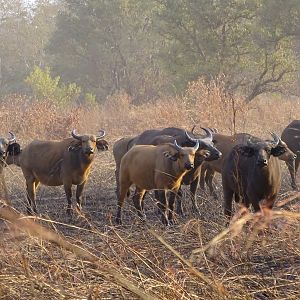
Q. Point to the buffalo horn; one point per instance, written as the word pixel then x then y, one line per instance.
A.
pixel 178 148
pixel 190 138
pixel 196 146
pixel 75 135
pixel 276 139
pixel 208 133
pixel 12 137
pixel 192 131
pixel 101 134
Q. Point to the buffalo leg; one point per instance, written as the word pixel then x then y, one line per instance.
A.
pixel 79 190
pixel 163 206
pixel 31 184
pixel 228 194
pixel 202 177
pixel 138 200
pixel 256 206
pixel 171 202
pixel 68 191
pixel 124 188
pixel 193 188
pixel 292 169
pixel 117 181
pixel 179 208
pixel 297 163
pixel 209 181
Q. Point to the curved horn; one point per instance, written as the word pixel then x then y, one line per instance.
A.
pixel 250 141
pixel 177 146
pixel 12 137
pixel 192 131
pixel 75 135
pixel 276 139
pixel 196 147
pixel 101 134
pixel 190 138
pixel 208 133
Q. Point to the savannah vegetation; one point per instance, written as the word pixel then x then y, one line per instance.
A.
pixel 127 66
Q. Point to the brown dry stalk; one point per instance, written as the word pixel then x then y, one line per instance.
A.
pixel 287 200
pixel 216 286
pixel 30 227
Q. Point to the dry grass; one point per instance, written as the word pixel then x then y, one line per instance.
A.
pixel 257 257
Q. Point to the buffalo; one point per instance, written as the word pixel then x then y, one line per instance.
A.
pixel 149 167
pixel 206 151
pixel 291 136
pixel 251 173
pixel 225 143
pixel 55 163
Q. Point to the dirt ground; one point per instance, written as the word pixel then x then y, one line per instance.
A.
pixel 165 263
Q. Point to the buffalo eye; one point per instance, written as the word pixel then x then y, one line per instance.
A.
pixel 268 150
pixel 247 151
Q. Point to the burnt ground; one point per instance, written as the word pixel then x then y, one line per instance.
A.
pixel 246 264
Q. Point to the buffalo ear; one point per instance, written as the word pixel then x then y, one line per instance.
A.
pixel 246 151
pixel 102 145
pixel 14 149
pixel 277 151
pixel 170 155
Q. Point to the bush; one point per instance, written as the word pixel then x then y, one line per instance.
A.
pixel 43 86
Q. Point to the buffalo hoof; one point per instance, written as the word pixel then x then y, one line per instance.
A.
pixel 143 218
pixel 172 222
pixel 69 211
pixel 119 221
pixel 180 212
pixel 196 212
pixel 165 220
pixel 214 195
pixel 31 211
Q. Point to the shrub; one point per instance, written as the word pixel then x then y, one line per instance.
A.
pixel 43 86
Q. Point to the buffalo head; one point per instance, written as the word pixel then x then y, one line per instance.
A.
pixel 88 143
pixel 5 143
pixel 262 150
pixel 183 155
pixel 206 143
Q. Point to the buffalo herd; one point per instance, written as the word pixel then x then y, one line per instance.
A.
pixel 162 160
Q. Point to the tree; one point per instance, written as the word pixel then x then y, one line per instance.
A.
pixel 43 87
pixel 106 46
pixel 24 33
pixel 249 43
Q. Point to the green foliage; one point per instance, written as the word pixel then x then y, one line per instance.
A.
pixel 43 86
pixel 90 98
pixel 147 48
pixel 106 47
pixel 24 33
pixel 239 40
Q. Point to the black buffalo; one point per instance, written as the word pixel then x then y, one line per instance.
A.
pixel 291 136
pixel 251 173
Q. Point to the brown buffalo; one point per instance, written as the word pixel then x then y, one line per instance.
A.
pixel 120 148
pixel 151 167
pixel 251 173
pixel 55 163
pixel 291 135
pixel 206 151
pixel 225 144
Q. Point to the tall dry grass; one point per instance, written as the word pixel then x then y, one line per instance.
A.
pixel 46 257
